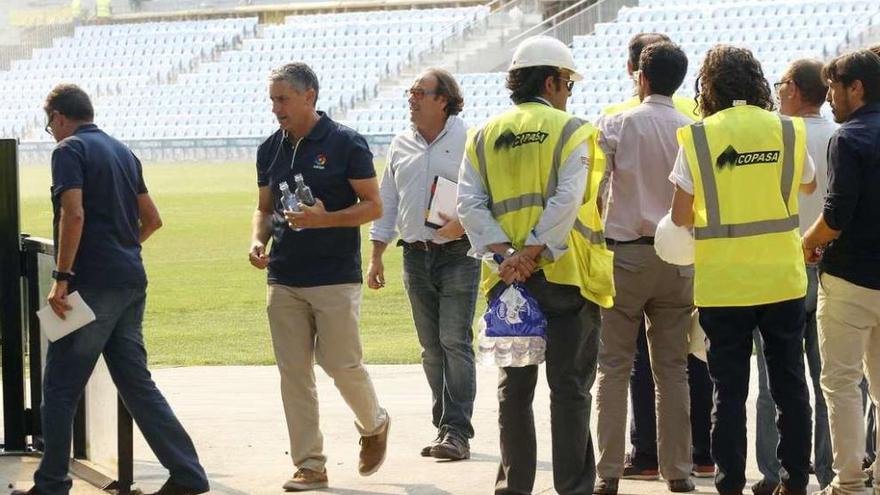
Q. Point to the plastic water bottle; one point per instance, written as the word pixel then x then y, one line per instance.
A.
pixel 288 200
pixel 537 350
pixel 503 351
pixel 520 351
pixel 303 193
pixel 486 349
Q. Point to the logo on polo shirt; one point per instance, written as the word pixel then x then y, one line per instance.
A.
pixel 508 139
pixel 732 158
pixel 320 161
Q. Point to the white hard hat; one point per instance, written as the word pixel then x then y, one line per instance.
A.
pixel 544 50
pixel 674 244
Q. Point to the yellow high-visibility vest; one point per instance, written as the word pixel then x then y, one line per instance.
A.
pixel 103 8
pixel 746 163
pixel 518 155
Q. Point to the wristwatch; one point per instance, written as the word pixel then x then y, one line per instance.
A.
pixel 510 252
pixel 61 276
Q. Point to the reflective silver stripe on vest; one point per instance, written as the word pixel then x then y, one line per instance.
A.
pixel 568 130
pixel 714 229
pixel 588 233
pixel 480 150
pixel 517 203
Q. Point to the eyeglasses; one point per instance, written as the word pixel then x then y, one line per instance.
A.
pixel 779 84
pixel 419 93
pixel 48 127
pixel 568 83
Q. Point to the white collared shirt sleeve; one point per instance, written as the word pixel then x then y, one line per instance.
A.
pixel 384 229
pixel 474 213
pixel 561 210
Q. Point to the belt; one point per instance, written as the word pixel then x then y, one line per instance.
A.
pixel 649 241
pixel 431 245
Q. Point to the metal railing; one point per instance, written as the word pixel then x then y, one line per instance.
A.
pixel 577 19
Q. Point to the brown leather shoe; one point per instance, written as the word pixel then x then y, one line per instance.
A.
pixel 683 485
pixel 784 490
pixel 373 450
pixel 426 450
pixel 306 479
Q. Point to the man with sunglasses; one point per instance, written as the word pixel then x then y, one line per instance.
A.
pixel 441 280
pixel 521 196
pixel 800 92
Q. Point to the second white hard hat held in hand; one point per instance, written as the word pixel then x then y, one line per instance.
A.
pixel 674 244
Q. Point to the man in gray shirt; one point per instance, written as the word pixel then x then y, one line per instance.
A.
pixel 640 145
pixel 440 278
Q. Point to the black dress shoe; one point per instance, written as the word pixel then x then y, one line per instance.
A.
pixel 32 491
pixel 172 488
pixel 452 448
pixel 426 450
pixel 606 486
pixel 681 486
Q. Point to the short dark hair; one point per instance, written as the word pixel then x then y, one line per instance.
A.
pixel 71 101
pixel 528 82
pixel 638 43
pixel 448 87
pixel 806 74
pixel 664 65
pixel 861 65
pixel 299 75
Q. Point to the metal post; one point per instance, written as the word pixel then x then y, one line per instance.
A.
pixel 125 449
pixel 14 422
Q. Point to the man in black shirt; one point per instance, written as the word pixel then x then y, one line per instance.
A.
pixel 103 213
pixel 849 288
pixel 315 269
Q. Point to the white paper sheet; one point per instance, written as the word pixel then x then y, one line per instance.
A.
pixel 443 201
pixel 79 316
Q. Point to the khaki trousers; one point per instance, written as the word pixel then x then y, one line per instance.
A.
pixel 320 324
pixel 646 287
pixel 849 342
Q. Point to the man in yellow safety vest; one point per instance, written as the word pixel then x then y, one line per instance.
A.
pixel 526 193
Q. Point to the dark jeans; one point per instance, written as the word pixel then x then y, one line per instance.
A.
pixel 572 352
pixel 729 334
pixel 442 285
pixel 643 422
pixel 117 334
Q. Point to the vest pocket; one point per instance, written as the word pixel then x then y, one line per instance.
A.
pixel 600 270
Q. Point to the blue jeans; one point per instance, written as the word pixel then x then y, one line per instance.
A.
pixel 729 332
pixel 442 285
pixel 117 334
pixel 766 435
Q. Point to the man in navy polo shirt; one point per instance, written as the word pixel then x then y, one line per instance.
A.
pixel 315 269
pixel 103 214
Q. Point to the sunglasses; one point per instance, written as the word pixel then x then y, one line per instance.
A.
pixel 48 127
pixel 568 83
pixel 419 93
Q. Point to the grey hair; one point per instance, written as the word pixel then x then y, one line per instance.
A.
pixel 298 75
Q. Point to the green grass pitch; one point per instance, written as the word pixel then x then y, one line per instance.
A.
pixel 206 304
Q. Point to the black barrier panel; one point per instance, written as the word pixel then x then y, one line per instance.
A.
pixel 14 415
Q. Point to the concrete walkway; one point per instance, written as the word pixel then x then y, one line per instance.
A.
pixel 235 417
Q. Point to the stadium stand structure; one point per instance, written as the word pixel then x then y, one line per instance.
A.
pixel 202 84
pixel 206 80
pixel 777 31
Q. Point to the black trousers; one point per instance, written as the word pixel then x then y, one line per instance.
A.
pixel 572 352
pixel 729 333
pixel 643 421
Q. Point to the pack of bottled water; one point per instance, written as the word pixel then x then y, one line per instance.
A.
pixel 513 329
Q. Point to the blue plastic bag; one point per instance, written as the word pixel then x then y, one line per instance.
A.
pixel 514 313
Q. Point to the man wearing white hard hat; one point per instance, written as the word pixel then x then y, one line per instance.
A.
pixel 526 193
